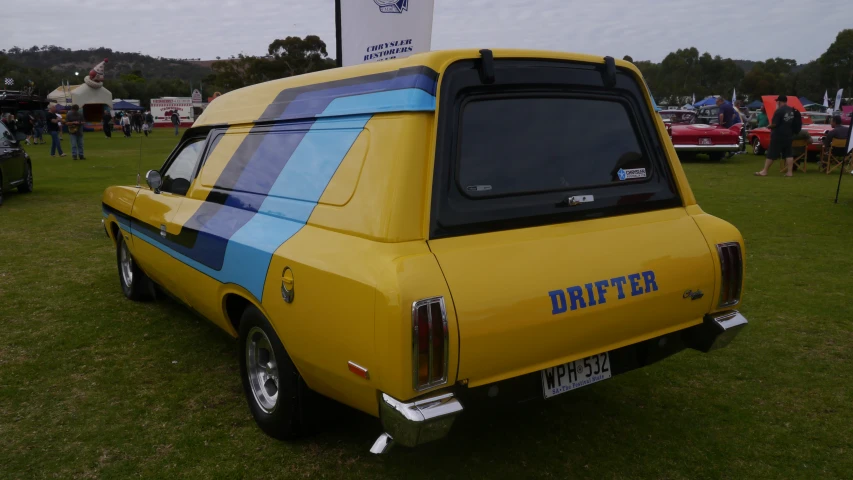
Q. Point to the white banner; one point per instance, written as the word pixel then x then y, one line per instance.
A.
pixel 376 30
pixel 162 108
pixel 826 98
pixel 838 100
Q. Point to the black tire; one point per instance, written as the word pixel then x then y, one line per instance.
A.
pixel 134 283
pixel 27 186
pixel 281 418
pixel 756 146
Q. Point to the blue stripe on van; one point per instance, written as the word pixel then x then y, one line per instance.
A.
pixel 264 222
pixel 406 100
pixel 315 102
pixel 291 200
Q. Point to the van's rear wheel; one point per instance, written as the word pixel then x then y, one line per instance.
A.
pixel 272 385
pixel 134 283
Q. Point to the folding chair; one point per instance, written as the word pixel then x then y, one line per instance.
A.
pixel 800 151
pixel 833 157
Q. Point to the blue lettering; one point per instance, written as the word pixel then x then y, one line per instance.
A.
pixel 599 286
pixel 588 287
pixel 651 284
pixel 634 278
pixel 618 282
pixel 576 297
pixel 558 302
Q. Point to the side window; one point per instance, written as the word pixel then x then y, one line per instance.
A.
pixel 179 173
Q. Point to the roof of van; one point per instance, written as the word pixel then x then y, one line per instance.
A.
pixel 407 84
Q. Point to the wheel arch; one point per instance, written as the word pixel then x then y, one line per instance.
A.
pixel 235 300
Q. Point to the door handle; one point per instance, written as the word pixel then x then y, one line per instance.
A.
pixel 163 231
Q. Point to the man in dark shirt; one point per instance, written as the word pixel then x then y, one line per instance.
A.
pixel 74 120
pixel 781 136
pixel 838 131
pixel 728 117
pixel 176 121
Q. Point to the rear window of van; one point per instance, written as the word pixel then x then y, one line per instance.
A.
pixel 535 144
pixel 545 143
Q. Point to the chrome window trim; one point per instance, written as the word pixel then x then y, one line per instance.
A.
pixel 427 302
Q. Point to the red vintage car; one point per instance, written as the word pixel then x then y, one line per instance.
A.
pixel 690 138
pixel 815 124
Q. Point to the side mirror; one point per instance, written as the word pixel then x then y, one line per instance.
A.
pixel 154 180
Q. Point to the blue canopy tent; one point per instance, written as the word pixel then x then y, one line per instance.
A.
pixel 805 101
pixel 122 105
pixel 755 105
pixel 706 102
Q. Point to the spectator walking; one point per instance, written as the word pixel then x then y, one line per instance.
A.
pixel 782 131
pixel 137 121
pixel 26 125
pixel 74 120
pixel 149 119
pixel 176 121
pixel 125 125
pixel 38 128
pixel 108 123
pixel 53 124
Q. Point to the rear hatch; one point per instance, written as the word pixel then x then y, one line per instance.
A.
pixel 556 219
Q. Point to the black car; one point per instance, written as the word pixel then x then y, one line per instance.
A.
pixel 15 167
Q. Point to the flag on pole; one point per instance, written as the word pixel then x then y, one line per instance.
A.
pixel 825 99
pixel 838 99
pixel 10 82
pixel 374 30
pixel 734 95
pixel 694 99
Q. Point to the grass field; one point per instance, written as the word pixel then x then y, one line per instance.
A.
pixel 95 386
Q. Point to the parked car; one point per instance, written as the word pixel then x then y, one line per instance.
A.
pixel 404 253
pixel 815 123
pixel 16 170
pixel 690 137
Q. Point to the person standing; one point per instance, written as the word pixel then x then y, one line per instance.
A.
pixel 149 119
pixel 781 136
pixel 38 127
pixel 176 121
pixel 125 125
pixel 26 125
pixel 74 120
pixel 763 121
pixel 108 123
pixel 728 117
pixel 52 124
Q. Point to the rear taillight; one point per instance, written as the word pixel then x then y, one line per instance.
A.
pixel 429 343
pixel 731 273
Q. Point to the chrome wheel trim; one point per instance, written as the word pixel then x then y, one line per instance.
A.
pixel 262 370
pixel 126 262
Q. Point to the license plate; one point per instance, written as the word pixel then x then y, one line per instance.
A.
pixel 574 375
pixel 704 141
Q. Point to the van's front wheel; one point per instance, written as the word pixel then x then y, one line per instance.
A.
pixel 273 386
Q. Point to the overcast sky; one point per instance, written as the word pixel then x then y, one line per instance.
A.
pixel 646 30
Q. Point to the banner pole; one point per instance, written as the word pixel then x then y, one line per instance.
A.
pixel 338 47
pixel 843 161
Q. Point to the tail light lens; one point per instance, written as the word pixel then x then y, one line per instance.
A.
pixel 429 343
pixel 731 273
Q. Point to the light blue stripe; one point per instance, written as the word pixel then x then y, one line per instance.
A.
pixel 290 201
pixel 404 100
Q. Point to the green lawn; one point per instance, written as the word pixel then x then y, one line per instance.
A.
pixel 95 386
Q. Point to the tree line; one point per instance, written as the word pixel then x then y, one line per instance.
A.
pixel 680 75
pixel 686 72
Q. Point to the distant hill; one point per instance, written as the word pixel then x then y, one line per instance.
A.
pixel 68 61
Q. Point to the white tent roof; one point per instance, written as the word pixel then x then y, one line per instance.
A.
pixel 86 95
pixel 59 95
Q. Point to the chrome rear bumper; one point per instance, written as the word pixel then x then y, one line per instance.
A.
pixel 416 422
pixel 716 331
pixel 707 148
